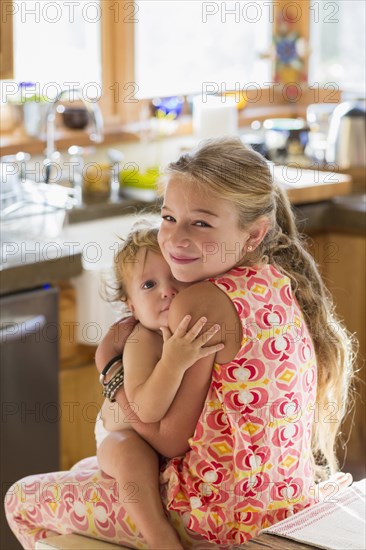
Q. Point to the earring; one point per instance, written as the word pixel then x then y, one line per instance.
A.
pixel 249 248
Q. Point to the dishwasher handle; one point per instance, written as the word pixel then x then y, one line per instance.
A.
pixel 20 327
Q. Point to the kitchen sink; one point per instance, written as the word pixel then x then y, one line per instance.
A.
pixel 33 211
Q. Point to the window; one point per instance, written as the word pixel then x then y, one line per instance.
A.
pixel 181 45
pixel 148 48
pixel 337 38
pixel 57 43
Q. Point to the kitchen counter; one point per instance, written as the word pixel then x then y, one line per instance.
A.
pixel 116 206
pixel 341 214
pixel 30 265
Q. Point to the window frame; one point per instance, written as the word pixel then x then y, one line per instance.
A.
pixel 118 104
pixel 6 41
pixel 118 63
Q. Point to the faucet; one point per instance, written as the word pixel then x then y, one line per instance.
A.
pixel 96 118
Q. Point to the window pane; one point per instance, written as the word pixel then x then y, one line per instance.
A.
pixel 182 44
pixel 337 37
pixel 57 42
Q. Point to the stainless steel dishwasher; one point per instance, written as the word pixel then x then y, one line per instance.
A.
pixel 30 409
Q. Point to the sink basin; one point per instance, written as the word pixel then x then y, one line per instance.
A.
pixel 98 241
pixel 27 220
pixel 35 212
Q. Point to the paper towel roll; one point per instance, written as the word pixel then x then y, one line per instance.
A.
pixel 94 316
pixel 215 117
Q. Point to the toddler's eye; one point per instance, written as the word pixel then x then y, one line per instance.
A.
pixel 168 218
pixel 148 284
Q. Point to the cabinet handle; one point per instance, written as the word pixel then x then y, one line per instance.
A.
pixel 19 328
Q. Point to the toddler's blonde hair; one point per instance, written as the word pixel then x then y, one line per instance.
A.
pixel 142 236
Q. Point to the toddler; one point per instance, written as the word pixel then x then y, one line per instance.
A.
pixel 154 363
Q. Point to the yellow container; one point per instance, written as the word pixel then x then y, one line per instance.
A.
pixel 97 180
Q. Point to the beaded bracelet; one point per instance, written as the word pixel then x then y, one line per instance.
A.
pixel 113 362
pixel 113 385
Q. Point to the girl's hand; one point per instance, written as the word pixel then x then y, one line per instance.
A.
pixel 335 484
pixel 114 341
pixel 184 346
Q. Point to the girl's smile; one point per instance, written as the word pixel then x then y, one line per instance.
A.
pixel 199 236
pixel 182 259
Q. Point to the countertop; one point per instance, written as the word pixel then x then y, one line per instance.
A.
pixel 32 264
pixel 341 214
pixel 73 542
pixel 29 265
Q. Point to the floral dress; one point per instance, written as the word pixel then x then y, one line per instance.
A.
pixel 250 462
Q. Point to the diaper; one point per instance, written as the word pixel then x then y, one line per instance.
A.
pixel 99 430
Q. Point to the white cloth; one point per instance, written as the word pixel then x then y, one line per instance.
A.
pixel 99 430
pixel 336 524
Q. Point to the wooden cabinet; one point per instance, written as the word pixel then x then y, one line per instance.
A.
pixel 80 391
pixel 80 399
pixel 72 354
pixel 342 262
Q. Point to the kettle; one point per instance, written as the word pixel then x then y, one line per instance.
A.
pixel 346 143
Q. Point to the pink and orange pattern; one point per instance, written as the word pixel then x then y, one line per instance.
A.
pixel 250 463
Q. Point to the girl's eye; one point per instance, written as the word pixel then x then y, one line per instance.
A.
pixel 202 224
pixel 198 223
pixel 148 284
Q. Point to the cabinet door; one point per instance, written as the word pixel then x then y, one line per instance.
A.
pixel 80 400
pixel 72 354
pixel 342 263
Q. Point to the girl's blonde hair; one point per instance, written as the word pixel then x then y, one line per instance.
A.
pixel 226 169
pixel 142 236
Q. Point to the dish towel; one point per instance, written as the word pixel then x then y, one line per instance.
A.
pixel 336 524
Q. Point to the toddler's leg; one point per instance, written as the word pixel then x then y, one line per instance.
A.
pixel 126 457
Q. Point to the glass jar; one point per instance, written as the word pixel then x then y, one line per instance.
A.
pixel 97 179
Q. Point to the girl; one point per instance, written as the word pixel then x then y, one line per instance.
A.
pixel 153 371
pixel 241 428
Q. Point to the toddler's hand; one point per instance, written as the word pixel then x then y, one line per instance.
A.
pixel 185 347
